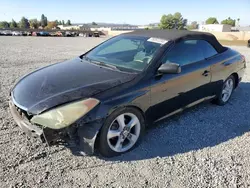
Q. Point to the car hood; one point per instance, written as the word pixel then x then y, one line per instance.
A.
pixel 64 82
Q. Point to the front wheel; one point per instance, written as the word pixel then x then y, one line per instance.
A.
pixel 121 132
pixel 226 91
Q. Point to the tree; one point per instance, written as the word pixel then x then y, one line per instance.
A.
pixel 93 23
pixel 68 22
pixel 63 22
pixel 174 21
pixel 44 21
pixel 24 23
pixel 229 21
pixel 13 24
pixel 4 24
pixel 51 25
pixel 59 22
pixel 34 24
pixel 193 25
pixel 212 20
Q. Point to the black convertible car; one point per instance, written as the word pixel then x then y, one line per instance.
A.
pixel 105 98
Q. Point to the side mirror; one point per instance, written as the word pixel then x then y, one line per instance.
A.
pixel 169 68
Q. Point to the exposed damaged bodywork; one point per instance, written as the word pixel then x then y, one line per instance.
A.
pixel 82 136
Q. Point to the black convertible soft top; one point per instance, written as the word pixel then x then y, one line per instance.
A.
pixel 176 35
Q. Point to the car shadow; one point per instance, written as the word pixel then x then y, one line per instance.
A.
pixel 206 125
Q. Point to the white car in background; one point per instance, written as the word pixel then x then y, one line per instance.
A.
pixel 7 33
pixel 16 33
pixel 82 35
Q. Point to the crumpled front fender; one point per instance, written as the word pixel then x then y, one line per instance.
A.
pixel 87 134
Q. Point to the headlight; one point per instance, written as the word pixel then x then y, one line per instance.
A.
pixel 65 115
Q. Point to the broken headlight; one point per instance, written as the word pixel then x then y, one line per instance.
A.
pixel 65 115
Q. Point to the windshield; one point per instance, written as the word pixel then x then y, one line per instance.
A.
pixel 131 53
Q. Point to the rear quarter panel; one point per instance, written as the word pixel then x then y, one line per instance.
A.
pixel 225 64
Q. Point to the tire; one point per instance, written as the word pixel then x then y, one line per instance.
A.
pixel 221 99
pixel 127 136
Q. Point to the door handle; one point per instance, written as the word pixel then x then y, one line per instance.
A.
pixel 205 73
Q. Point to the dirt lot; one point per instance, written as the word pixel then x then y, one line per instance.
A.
pixel 207 146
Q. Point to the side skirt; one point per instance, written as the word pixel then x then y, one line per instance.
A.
pixel 186 107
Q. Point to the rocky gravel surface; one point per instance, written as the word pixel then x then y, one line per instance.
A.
pixel 207 146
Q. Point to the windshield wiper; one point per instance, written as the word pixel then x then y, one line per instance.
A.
pixel 104 64
pixel 86 58
pixel 100 63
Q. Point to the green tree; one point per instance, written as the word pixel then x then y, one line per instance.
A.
pixel 68 22
pixel 63 22
pixel 34 23
pixel 229 21
pixel 59 22
pixel 93 23
pixel 13 24
pixel 193 25
pixel 44 21
pixel 172 21
pixel 4 24
pixel 24 23
pixel 212 20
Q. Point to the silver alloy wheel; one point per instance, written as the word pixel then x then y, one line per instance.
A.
pixel 227 90
pixel 123 132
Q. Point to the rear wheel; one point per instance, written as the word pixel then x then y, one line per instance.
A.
pixel 121 132
pixel 226 91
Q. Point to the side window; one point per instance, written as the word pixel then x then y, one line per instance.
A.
pixel 184 52
pixel 207 48
pixel 120 46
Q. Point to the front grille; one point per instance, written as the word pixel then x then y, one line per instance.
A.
pixel 23 113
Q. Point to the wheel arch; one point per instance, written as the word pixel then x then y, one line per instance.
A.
pixel 131 106
pixel 114 110
pixel 111 111
pixel 236 79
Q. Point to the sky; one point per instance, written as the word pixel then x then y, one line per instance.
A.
pixel 138 12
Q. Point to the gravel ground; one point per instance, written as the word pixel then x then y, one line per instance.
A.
pixel 207 146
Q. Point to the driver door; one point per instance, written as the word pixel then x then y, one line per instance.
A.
pixel 171 93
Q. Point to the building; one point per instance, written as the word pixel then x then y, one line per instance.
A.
pixel 74 27
pixel 215 27
pixel 112 27
pixel 244 29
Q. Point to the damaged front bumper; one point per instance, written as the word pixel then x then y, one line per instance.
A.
pixel 44 134
pixel 83 136
pixel 23 122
